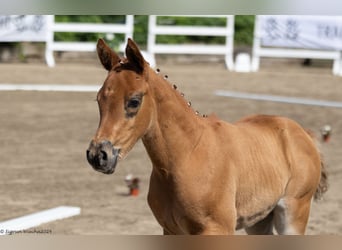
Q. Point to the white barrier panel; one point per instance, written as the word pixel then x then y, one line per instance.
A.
pixel 49 87
pixel 52 45
pixel 311 32
pixel 33 220
pixel 317 37
pixel 155 29
pixel 15 28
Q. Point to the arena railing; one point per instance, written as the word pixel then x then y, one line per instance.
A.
pixel 156 29
pixel 52 45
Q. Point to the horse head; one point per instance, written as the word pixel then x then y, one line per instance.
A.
pixel 124 104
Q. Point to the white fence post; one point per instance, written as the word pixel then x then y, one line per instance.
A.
pixel 51 46
pixel 49 58
pixel 151 39
pixel 154 29
pixel 256 46
pixel 230 42
pixel 307 44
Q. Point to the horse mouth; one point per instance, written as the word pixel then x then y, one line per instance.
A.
pixel 105 171
pixel 103 157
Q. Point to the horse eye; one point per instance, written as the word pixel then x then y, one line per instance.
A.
pixel 133 103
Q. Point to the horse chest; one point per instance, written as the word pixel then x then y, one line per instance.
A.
pixel 175 215
pixel 172 216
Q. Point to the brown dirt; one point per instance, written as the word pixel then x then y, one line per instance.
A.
pixel 44 136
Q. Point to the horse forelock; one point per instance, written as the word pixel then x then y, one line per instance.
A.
pixel 121 65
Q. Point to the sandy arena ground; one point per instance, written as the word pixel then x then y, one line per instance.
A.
pixel 44 136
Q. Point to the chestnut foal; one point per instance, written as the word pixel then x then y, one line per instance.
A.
pixel 208 176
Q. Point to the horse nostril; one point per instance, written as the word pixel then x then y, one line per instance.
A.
pixel 103 155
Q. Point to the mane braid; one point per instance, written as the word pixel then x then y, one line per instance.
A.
pixel 174 86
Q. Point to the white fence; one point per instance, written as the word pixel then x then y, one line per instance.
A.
pixel 316 37
pixel 52 45
pixel 155 29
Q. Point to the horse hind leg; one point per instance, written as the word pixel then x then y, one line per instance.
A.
pixel 263 227
pixel 291 216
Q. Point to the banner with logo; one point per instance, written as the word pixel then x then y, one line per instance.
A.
pixel 32 28
pixel 309 32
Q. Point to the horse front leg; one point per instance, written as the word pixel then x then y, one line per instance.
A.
pixel 218 229
pixel 222 219
pixel 221 225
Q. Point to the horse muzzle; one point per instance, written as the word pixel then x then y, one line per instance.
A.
pixel 103 156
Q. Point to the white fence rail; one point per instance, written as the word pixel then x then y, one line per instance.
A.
pixel 315 37
pixel 52 45
pixel 227 31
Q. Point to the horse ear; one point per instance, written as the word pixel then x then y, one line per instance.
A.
pixel 134 56
pixel 106 55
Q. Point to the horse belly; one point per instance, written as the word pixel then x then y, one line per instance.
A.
pixel 255 202
pixel 258 195
pixel 248 220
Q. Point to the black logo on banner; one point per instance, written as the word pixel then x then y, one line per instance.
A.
pixel 21 23
pixel 276 30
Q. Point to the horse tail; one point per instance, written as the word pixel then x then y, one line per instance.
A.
pixel 323 183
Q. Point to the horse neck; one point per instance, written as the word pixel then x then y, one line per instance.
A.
pixel 175 128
